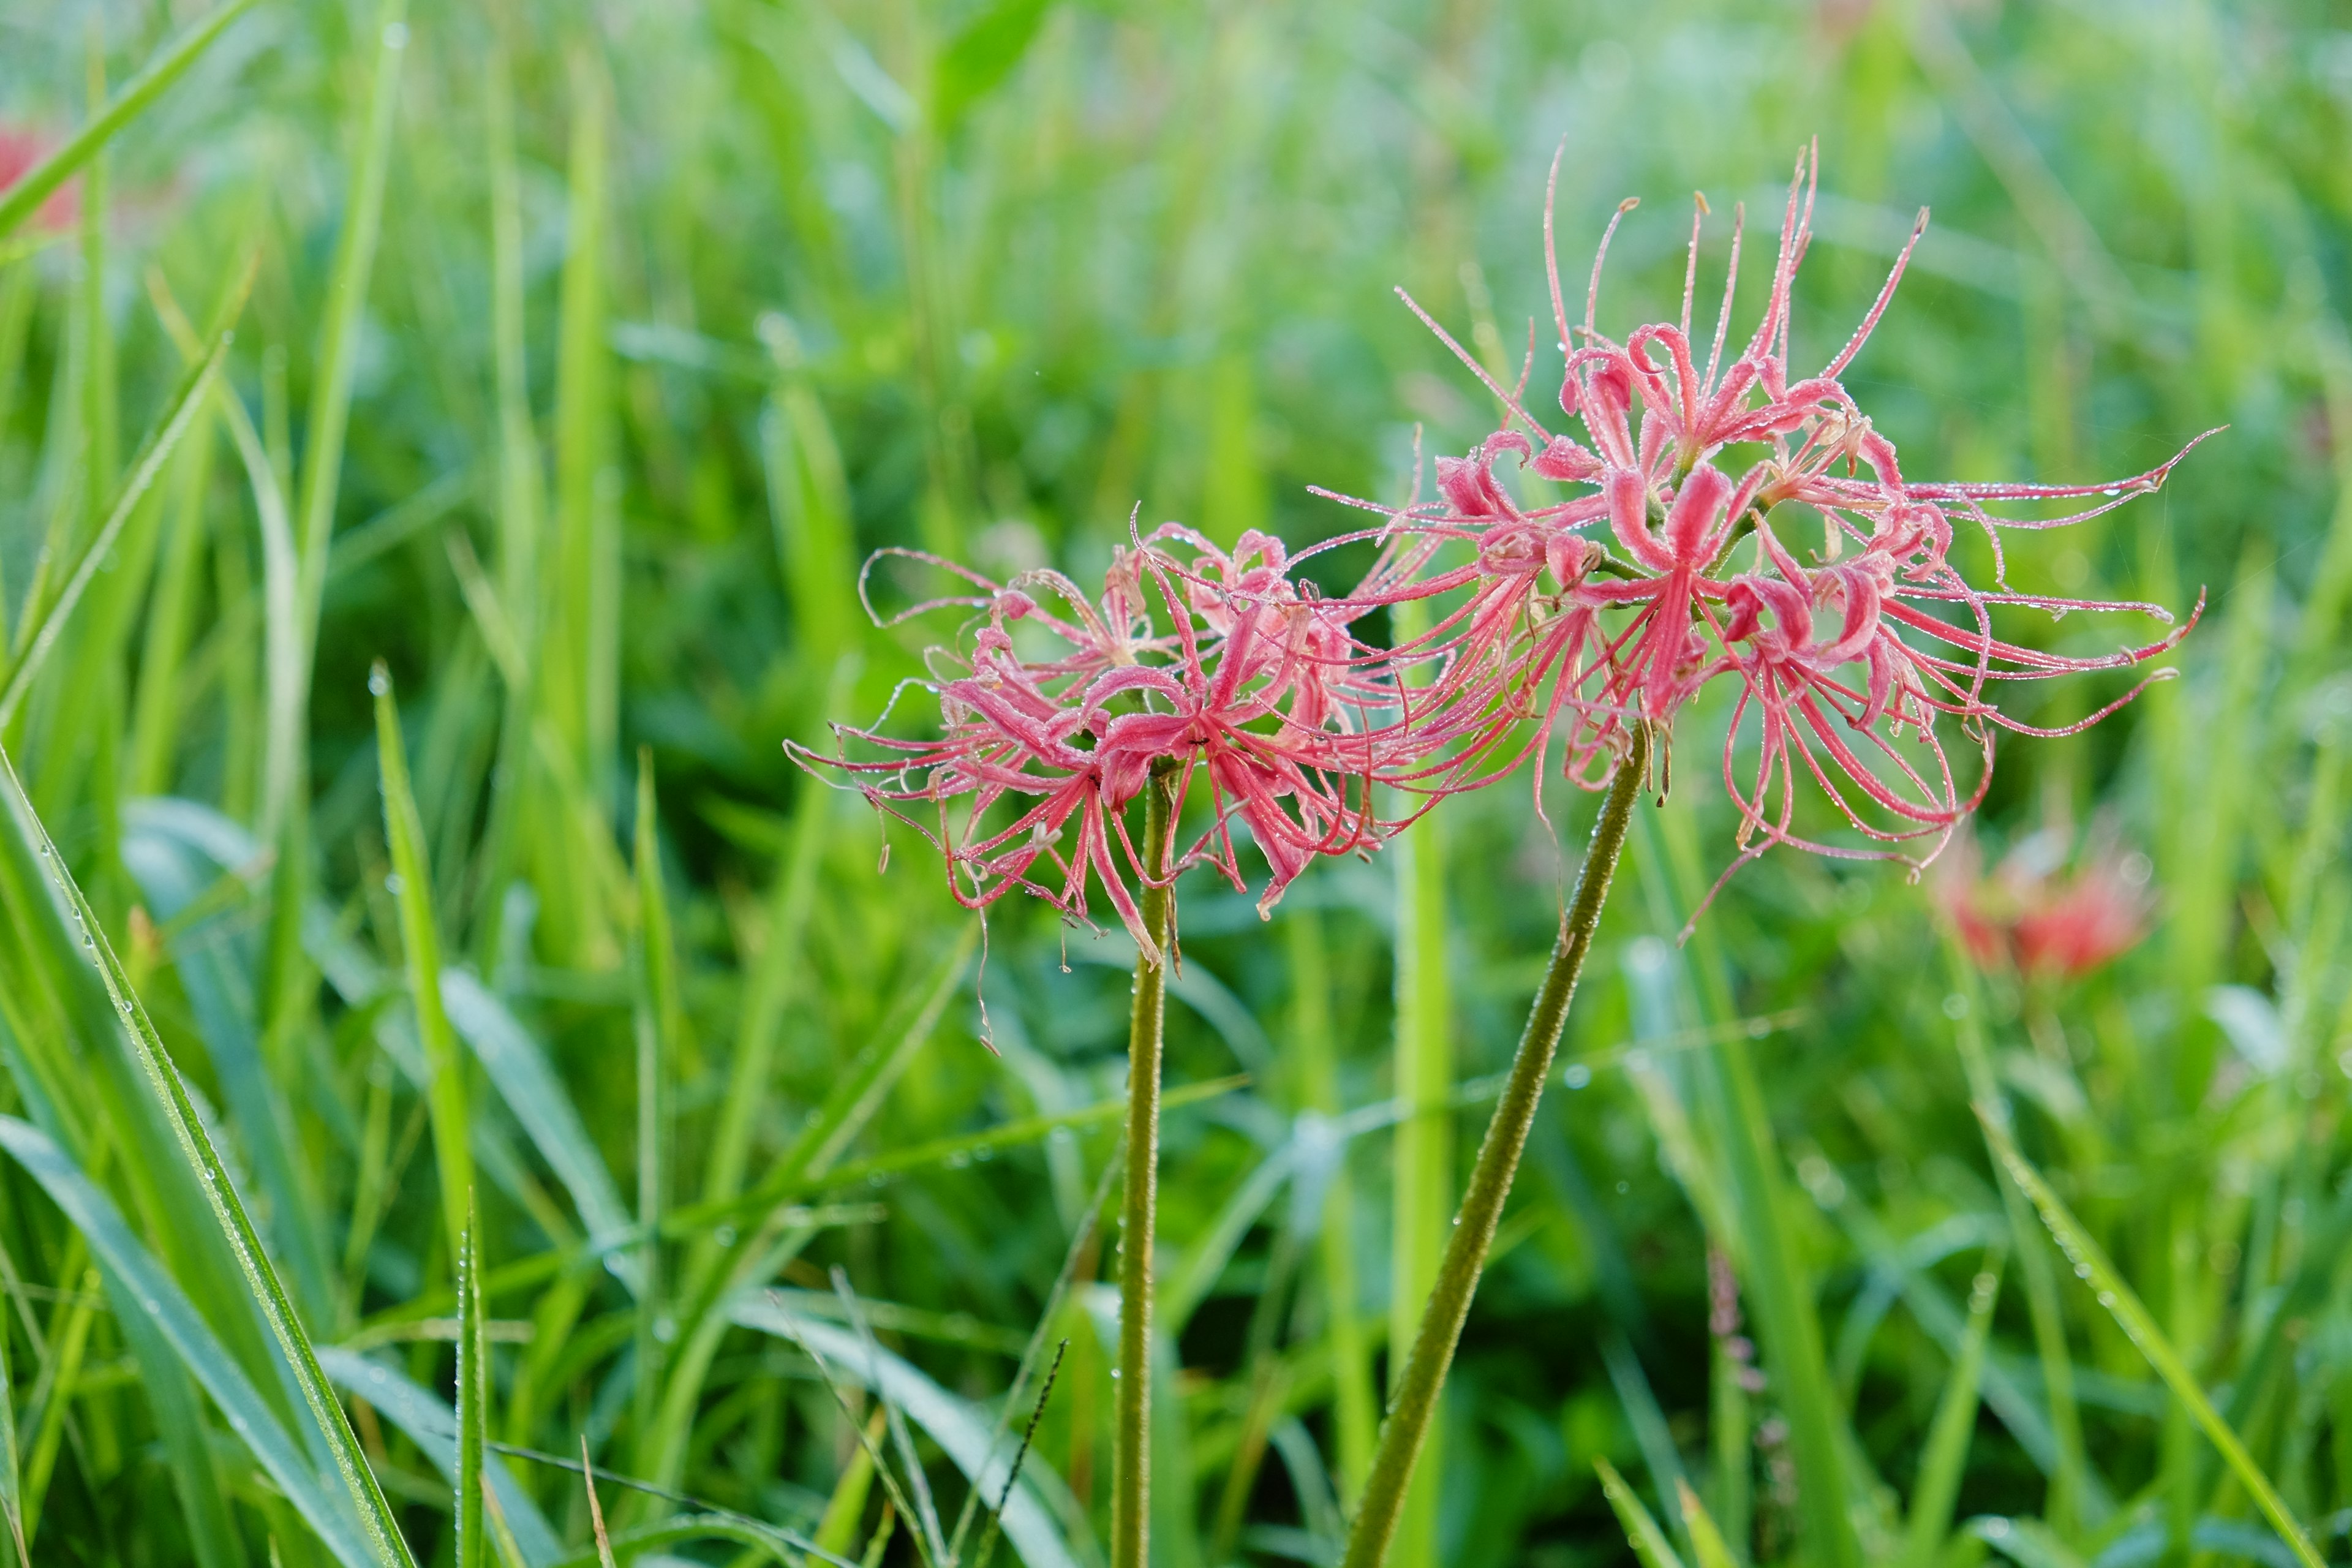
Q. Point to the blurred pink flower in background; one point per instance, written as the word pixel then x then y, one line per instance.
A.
pixel 2043 916
pixel 21 151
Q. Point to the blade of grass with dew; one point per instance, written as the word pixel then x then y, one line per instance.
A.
pixel 520 483
pixel 808 507
pixel 172 876
pixel 2073 1501
pixel 179 413
pixel 956 1425
pixel 760 1249
pixel 659 1020
pixel 473 1389
pixel 1943 1459
pixel 1651 1434
pixel 290 989
pixel 1708 1549
pixel 575 688
pixel 894 1489
pixel 1185 1287
pixel 186 1440
pixel 1782 1289
pixel 845 1508
pixel 158 706
pixel 2113 1294
pixel 420 942
pixel 1081 1249
pixel 517 1066
pixel 1651 1547
pixel 25 842
pixel 949 1152
pixel 420 1416
pixel 927 1513
pixel 54 1394
pixel 256 1424
pixel 23 198
pixel 11 1488
pixel 643 1544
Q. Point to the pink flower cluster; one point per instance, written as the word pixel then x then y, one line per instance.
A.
pixel 1661 570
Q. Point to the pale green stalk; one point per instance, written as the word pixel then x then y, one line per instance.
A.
pixel 1422 1165
pixel 1413 1406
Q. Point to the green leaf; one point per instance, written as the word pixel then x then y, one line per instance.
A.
pixel 179 413
pixel 25 197
pixel 432 1425
pixel 29 839
pixel 1706 1542
pixel 1945 1454
pixel 2092 1266
pixel 517 1066
pixel 11 1508
pixel 1649 1542
pixel 445 1084
pixel 184 1328
pixel 982 55
pixel 473 1389
pixel 960 1428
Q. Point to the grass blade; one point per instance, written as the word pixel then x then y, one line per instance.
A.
pixel 1356 1410
pixel 11 1508
pixel 960 1429
pixel 658 1018
pixel 420 942
pixel 347 289
pixel 1945 1454
pixel 1771 1247
pixel 178 415
pixel 196 1146
pixel 2092 1265
pixel 1650 1544
pixel 176 1316
pixel 473 1389
pixel 579 692
pixel 419 1415
pixel 1708 1544
pixel 25 197
pixel 516 1064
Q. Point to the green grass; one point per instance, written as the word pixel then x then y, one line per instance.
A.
pixel 514 1056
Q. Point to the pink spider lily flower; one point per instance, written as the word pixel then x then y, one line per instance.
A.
pixel 1847 664
pixel 1258 686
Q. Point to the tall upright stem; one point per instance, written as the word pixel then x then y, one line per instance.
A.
pixel 1415 1401
pixel 1130 1510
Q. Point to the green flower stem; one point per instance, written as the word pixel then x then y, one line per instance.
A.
pixel 1416 1402
pixel 1130 1516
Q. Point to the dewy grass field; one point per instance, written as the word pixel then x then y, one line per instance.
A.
pixel 468 1097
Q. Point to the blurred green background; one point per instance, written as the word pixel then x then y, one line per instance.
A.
pixel 653 319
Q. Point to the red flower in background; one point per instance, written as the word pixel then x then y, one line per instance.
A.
pixel 21 151
pixel 2045 918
